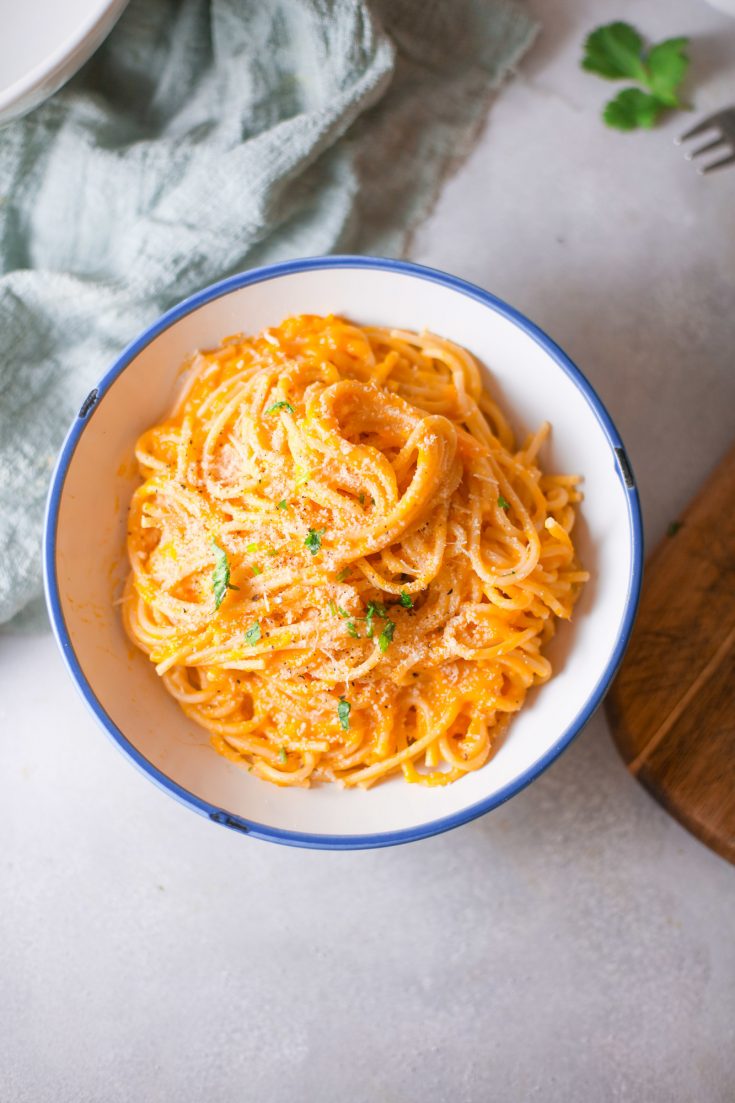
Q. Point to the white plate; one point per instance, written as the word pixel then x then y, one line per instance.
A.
pixel 43 43
pixel 85 562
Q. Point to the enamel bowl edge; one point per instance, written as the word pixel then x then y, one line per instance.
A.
pixel 94 476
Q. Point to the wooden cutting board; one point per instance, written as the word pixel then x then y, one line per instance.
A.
pixel 672 706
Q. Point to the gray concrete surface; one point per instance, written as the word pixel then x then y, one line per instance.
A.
pixel 575 946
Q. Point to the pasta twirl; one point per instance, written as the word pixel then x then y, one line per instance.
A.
pixel 341 566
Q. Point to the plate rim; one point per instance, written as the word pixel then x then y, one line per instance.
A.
pixel 302 838
pixel 46 77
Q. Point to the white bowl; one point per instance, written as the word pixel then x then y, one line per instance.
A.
pixel 43 43
pixel 85 561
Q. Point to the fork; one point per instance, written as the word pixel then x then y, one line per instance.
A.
pixel 722 123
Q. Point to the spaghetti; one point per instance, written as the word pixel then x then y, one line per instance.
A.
pixel 340 565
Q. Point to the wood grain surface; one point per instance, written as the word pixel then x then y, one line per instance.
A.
pixel 672 706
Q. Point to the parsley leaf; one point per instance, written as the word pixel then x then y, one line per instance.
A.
pixel 257 570
pixel 253 634
pixel 332 608
pixel 283 504
pixel 386 636
pixel 616 52
pixel 632 108
pixel 503 502
pixel 313 540
pixel 352 630
pixel 281 753
pixel 281 405
pixel 343 574
pixel 406 600
pixel 221 575
pixel 343 712
pixel 342 612
pixel 667 67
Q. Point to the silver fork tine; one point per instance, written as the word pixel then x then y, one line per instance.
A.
pixel 729 160
pixel 721 125
pixel 710 123
pixel 721 141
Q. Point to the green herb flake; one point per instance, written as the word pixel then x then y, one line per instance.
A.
pixel 332 608
pixel 503 502
pixel 343 574
pixel 221 575
pixel 283 504
pixel 251 548
pixel 342 612
pixel 406 600
pixel 386 636
pixel 673 528
pixel 352 630
pixel 361 499
pixel 257 570
pixel 281 405
pixel 374 609
pixel 343 712
pixel 282 754
pixel 313 540
pixel 253 634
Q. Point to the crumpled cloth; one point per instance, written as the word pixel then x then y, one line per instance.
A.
pixel 205 137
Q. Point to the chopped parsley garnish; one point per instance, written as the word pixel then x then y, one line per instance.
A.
pixel 251 548
pixel 373 610
pixel 283 504
pixel 332 608
pixel 503 502
pixel 257 570
pixel 282 753
pixel 342 612
pixel 313 540
pixel 343 574
pixel 386 636
pixel 343 712
pixel 253 634
pixel 221 575
pixel 281 405
pixel 406 600
pixel 352 630
pixel 673 528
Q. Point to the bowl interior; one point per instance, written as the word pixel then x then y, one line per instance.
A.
pixel 88 563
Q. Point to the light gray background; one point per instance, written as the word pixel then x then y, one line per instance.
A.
pixel 575 945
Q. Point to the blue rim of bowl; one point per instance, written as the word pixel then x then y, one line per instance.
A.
pixel 433 827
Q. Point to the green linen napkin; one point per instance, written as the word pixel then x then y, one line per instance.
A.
pixel 205 137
